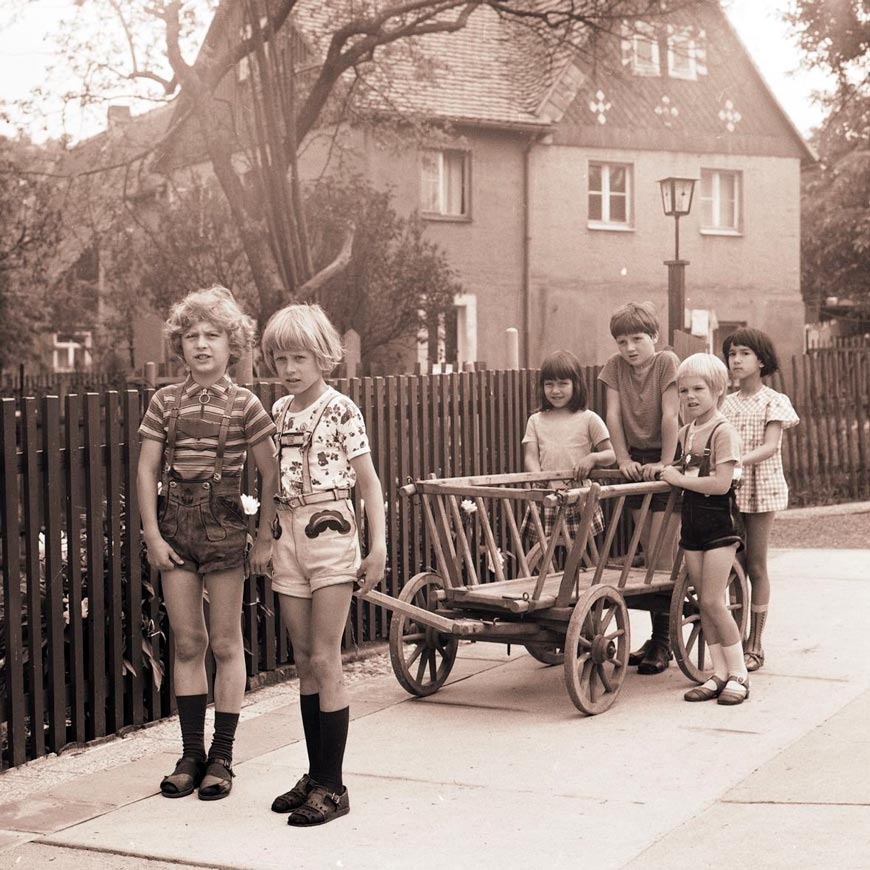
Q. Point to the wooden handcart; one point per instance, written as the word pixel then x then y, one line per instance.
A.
pixel 496 579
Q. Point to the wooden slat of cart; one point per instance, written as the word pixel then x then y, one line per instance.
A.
pixel 443 530
pixel 114 544
pixel 489 538
pixel 32 524
pixel 610 534
pixel 10 535
pixel 462 539
pixel 52 497
pixel 510 522
pixel 74 504
pixel 133 564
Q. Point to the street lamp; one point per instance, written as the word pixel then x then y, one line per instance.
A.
pixel 677 196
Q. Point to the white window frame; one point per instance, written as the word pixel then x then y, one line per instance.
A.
pixel 441 213
pixel 642 33
pixel 682 45
pixel 63 353
pixel 605 222
pixel 716 229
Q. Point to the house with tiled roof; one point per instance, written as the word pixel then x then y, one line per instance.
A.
pixel 539 175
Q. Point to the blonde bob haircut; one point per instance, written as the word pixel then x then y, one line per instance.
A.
pixel 710 369
pixel 217 306
pixel 303 327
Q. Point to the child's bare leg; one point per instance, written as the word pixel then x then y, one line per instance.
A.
pixel 225 590
pixel 758 528
pixel 328 617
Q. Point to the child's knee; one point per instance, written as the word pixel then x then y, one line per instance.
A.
pixel 325 666
pixel 190 646
pixel 227 647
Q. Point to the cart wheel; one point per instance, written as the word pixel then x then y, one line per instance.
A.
pixel 422 657
pixel 596 647
pixel 687 636
pixel 547 653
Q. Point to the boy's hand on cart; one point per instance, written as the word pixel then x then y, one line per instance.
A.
pixel 160 555
pixel 261 555
pixel 653 471
pixel 631 470
pixel 671 475
pixel 371 571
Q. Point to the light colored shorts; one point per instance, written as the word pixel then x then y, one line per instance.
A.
pixel 318 547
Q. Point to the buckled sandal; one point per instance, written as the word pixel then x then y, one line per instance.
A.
pixel 321 807
pixel 736 691
pixel 184 780
pixel 706 691
pixel 754 660
pixel 220 770
pixel 657 658
pixel 293 799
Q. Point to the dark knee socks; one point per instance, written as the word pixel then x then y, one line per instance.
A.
pixel 310 707
pixel 191 716
pixel 224 735
pixel 661 627
pixel 333 739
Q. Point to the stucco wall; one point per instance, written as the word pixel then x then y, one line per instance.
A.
pixel 579 275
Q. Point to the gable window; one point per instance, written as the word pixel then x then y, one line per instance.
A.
pixel 609 196
pixel 682 56
pixel 444 188
pixel 644 48
pixel 71 351
pixel 721 201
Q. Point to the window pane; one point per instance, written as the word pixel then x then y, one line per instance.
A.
pixel 429 182
pixel 595 177
pixel 644 49
pixel 727 200
pixel 617 179
pixel 454 182
pixel 618 208
pixel 595 207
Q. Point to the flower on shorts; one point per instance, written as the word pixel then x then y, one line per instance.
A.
pixel 159 487
pixel 468 506
pixel 250 505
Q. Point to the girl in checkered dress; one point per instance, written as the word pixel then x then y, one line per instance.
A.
pixel 565 434
pixel 760 414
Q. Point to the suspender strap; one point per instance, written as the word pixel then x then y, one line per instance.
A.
pixel 305 449
pixel 222 434
pixel 171 434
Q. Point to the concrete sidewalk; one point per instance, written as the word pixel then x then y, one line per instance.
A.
pixel 500 770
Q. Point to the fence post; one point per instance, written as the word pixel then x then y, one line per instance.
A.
pixel 513 347
pixel 150 374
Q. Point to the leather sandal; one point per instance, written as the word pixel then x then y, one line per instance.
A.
pixel 220 771
pixel 754 660
pixel 657 658
pixel 712 688
pixel 321 807
pixel 293 799
pixel 184 780
pixel 736 691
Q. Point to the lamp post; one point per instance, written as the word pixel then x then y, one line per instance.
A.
pixel 677 196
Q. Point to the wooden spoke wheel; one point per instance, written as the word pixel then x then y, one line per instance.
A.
pixel 596 649
pixel 422 657
pixel 547 653
pixel 687 635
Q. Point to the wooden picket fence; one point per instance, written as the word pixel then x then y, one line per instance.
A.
pixel 86 648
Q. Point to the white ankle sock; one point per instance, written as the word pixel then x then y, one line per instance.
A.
pixel 720 666
pixel 734 660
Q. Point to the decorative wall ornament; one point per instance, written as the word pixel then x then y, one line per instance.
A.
pixel 666 111
pixel 599 107
pixel 729 116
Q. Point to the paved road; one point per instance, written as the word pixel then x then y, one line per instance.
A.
pixel 498 770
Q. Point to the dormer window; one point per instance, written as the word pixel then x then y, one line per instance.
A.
pixel 644 47
pixel 682 55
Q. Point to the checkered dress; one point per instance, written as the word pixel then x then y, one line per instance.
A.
pixel 528 532
pixel 763 487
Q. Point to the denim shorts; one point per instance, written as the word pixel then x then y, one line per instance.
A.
pixel 203 521
pixel 710 522
pixel 318 547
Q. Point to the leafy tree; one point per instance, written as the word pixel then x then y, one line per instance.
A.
pixel 835 34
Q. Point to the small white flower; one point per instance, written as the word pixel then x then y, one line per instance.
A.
pixel 489 563
pixel 250 505
pixel 468 506
pixel 159 487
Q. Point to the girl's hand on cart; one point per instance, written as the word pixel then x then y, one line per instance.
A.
pixel 653 471
pixel 371 571
pixel 631 470
pixel 584 467
pixel 671 475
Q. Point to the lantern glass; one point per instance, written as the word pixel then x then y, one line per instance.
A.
pixel 677 194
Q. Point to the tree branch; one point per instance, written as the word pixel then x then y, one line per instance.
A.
pixel 313 285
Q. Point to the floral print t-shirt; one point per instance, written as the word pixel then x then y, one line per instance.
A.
pixel 339 436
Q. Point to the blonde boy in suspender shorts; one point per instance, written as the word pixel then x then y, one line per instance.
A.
pixel 323 451
pixel 195 436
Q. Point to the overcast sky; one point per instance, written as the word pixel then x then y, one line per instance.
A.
pixel 24 56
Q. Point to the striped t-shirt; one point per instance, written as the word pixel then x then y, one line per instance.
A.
pixel 195 456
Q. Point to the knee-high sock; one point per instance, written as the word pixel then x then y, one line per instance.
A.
pixel 191 717
pixel 310 707
pixel 757 618
pixel 333 737
pixel 224 735
pixel 661 627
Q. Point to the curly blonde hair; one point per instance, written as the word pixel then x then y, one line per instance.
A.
pixel 303 327
pixel 218 306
